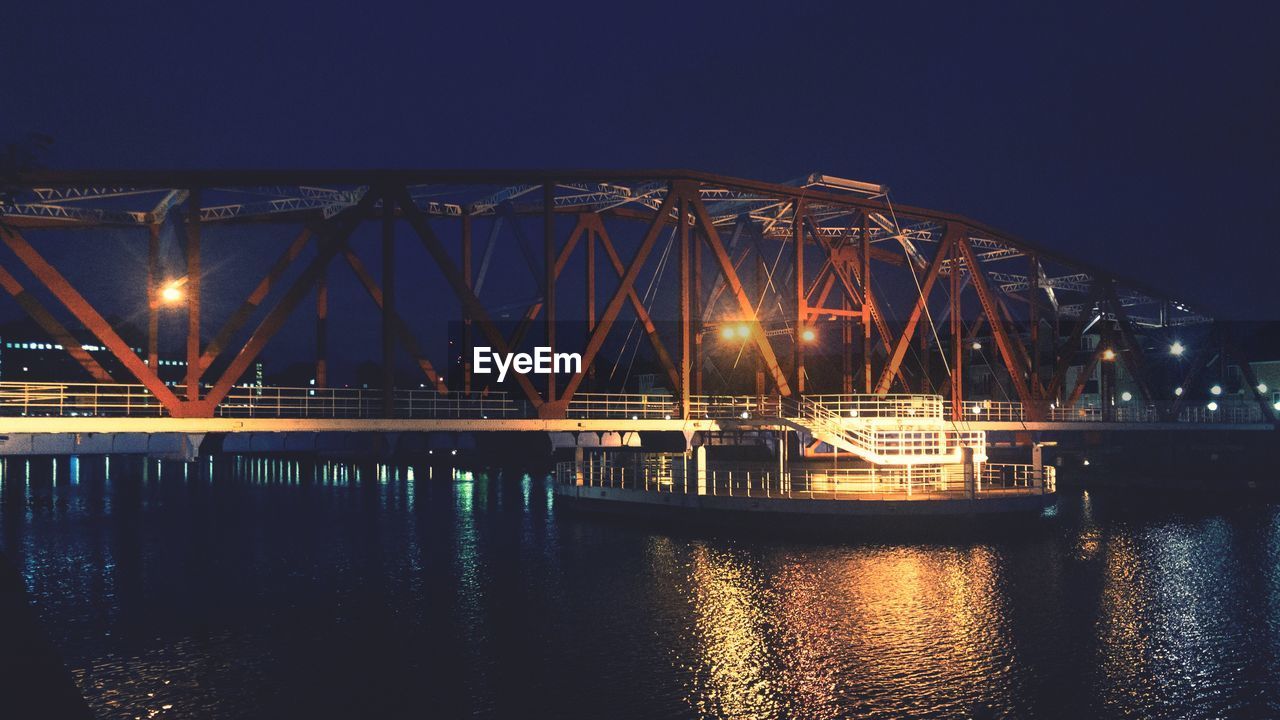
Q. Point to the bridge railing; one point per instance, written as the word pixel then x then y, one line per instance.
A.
pixel 740 407
pixel 670 474
pixel 1002 411
pixel 120 400
pixel 623 406
pixel 889 407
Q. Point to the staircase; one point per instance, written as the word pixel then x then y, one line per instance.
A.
pixel 909 441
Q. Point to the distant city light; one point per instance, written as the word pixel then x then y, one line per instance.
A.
pixel 977 345
pixel 1178 391
pixel 1213 406
pixel 1176 349
pixel 1216 390
pixel 1126 396
pixel 745 415
pixel 1108 354
pixel 1086 461
pixel 1262 387
pixel 1277 406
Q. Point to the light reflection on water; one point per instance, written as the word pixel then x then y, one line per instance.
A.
pixel 246 587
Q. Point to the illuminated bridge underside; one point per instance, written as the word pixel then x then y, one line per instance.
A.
pixel 895 295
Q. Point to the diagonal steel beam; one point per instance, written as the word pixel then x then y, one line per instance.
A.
pixel 461 288
pixel 91 319
pixel 909 331
pixel 642 313
pixel 334 238
pixel 1003 341
pixel 251 303
pixel 397 321
pixel 735 287
pixel 596 339
pixel 56 330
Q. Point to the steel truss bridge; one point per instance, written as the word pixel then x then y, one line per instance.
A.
pixel 737 287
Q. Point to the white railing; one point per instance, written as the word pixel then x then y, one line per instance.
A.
pixel 738 407
pixel 881 444
pixel 636 406
pixel 1002 411
pixel 666 473
pixel 118 400
pixel 889 407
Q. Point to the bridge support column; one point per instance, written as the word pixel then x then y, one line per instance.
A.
pixel 1037 466
pixel 700 468
pixel 577 466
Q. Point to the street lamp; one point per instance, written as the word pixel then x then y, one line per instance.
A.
pixel 1126 396
pixel 977 345
pixel 1216 390
pixel 1108 354
pixel 808 335
pixel 1176 349
pixel 743 330
pixel 171 292
pixel 1213 406
pixel 727 332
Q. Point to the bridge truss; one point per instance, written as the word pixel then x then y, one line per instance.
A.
pixel 775 277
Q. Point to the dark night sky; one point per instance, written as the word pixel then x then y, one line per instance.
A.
pixel 1142 138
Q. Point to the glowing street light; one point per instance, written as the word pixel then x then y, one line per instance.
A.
pixel 1108 354
pixel 1126 396
pixel 727 332
pixel 977 345
pixel 171 292
pixel 1262 388
pixel 1213 406
pixel 743 330
pixel 808 335
pixel 1277 406
pixel 1178 391
pixel 1216 390
pixel 1176 349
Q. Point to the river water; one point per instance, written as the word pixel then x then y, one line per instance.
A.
pixel 239 588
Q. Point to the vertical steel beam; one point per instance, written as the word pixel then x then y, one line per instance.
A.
pixel 957 338
pixel 865 237
pixel 802 314
pixel 388 306
pixel 697 315
pixel 591 297
pixel 468 276
pixel 686 309
pixel 153 295
pixel 549 282
pixel 1033 310
pixel 193 296
pixel 322 330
